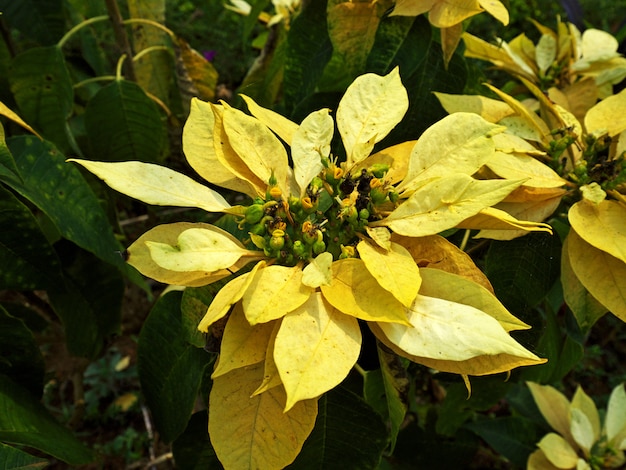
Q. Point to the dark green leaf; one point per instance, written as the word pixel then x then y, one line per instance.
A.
pixel 27 259
pixel 43 91
pixel 60 191
pixel 8 170
pixel 308 50
pixel 193 306
pixel 40 20
pixel 20 358
pixel 192 449
pixel 170 368
pixel 123 124
pixel 514 437
pixel 396 382
pixel 25 421
pixel 392 37
pixel 15 459
pixel 348 434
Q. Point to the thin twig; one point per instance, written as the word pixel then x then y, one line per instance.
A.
pixel 121 37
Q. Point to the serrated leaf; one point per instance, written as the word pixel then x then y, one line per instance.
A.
pixel 309 145
pixel 370 108
pixel 273 292
pixel 354 291
pixel 315 349
pixel 394 269
pixel 603 275
pixel 254 432
pixel 445 202
pixel 123 124
pixel 170 368
pixel 26 422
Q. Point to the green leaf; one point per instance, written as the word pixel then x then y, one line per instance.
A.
pixel 396 383
pixel 60 191
pixel 170 368
pixel 123 124
pixel 348 434
pixel 513 436
pixel 192 449
pixel 25 421
pixel 27 258
pixel 21 359
pixel 39 20
pixel 89 303
pixel 42 88
pixel 8 170
pixel 392 37
pixel 15 459
pixel 308 50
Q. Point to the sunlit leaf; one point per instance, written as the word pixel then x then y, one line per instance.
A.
pixel 200 71
pixel 581 401
pixel 538 461
pixel 558 451
pixel 254 432
pixel 519 166
pixel 370 108
pixel 282 126
pixel 242 344
pixel 615 421
pixel 319 271
pixel 394 269
pixel 354 291
pixel 13 116
pixel 315 349
pixel 582 430
pixel 273 292
pixel 488 108
pixel 154 184
pixel 545 53
pixel 554 407
pixel 271 377
pixel 309 145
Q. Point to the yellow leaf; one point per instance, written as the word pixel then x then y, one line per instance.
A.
pixel 582 430
pixel 257 147
pixel 554 407
pixel 394 269
pixel 309 145
pixel 496 9
pixel 489 109
pixel 444 203
pixel 545 53
pixel 126 401
pixel 603 275
pixel 271 377
pixel 499 224
pixel 242 344
pixel 450 38
pixel 315 349
pixel 615 422
pixel 598 45
pixel 254 432
pixel 449 331
pixel 13 116
pixel 154 184
pixel 452 287
pixel 585 307
pixel 199 249
pixel 139 257
pixel 274 291
pixel 577 98
pixel 370 108
pixel 446 13
pixel 226 297
pixel 318 272
pixel 354 291
pixel 583 403
pixel 498 54
pixel 520 166
pixel 411 7
pixel 601 225
pixel 607 115
pixel 200 71
pixel 200 150
pixel 380 235
pixel 459 143
pixel 558 451
pixel 283 127
pixel 396 156
pixel 538 461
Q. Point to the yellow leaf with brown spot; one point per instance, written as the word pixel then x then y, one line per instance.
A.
pixel 228 295
pixel 444 203
pixel 603 275
pixel 315 349
pixel 436 252
pixel 370 108
pixel 354 291
pixel 274 291
pixel 242 344
pixel 394 269
pixel 452 287
pixel 601 225
pixel 254 432
pixel 139 257
pixel 443 330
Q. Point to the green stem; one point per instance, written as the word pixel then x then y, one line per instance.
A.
pixel 465 240
pixel 78 27
pixel 151 23
pixel 147 50
pixel 359 369
pixel 95 79
pixel 118 70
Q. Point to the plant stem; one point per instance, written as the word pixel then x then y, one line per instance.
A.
pixel 67 36
pixel 151 23
pixel 121 37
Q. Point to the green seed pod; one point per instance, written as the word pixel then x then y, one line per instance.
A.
pixel 364 214
pixel 254 213
pixel 378 195
pixel 278 240
pixel 319 247
pixel 393 196
pixel 300 250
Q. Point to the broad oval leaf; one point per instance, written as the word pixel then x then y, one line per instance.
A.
pixel 394 269
pixel 581 401
pixel 554 407
pixel 520 166
pixel 311 144
pixel 370 108
pixel 319 271
pixel 255 432
pixel 602 115
pixel 615 421
pixel 283 127
pixel 354 291
pixel 315 349
pixel 154 184
pixel 558 451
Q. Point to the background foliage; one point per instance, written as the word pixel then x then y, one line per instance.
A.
pixel 87 377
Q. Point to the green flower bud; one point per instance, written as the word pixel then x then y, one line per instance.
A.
pixel 254 213
pixel 278 240
pixel 378 195
pixel 319 247
pixel 364 214
pixel 393 196
pixel 300 250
